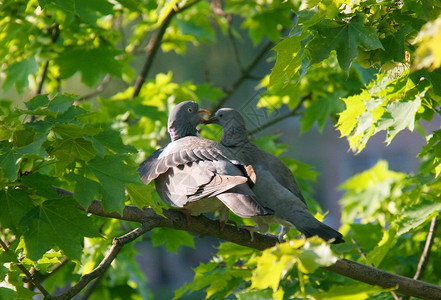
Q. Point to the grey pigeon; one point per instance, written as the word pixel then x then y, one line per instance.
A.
pixel 275 184
pixel 195 173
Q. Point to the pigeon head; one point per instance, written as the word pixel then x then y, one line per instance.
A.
pixel 227 117
pixel 234 130
pixel 183 120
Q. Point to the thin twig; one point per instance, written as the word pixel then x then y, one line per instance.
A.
pixel 153 47
pixel 55 33
pixel 97 91
pixel 245 74
pixel 291 113
pixel 424 259
pixel 117 245
pixel 234 46
pixel 28 275
pixel 360 250
pixel 120 28
pixel 42 78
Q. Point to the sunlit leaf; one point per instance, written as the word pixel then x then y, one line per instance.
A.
pixel 376 256
pixel 427 55
pixel 417 215
pixel 345 38
pixel 18 74
pixel 142 195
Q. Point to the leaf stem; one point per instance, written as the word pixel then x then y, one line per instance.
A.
pixel 28 275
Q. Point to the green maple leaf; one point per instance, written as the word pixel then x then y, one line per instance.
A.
pixel 142 195
pixel 42 184
pixel 289 59
pixel 91 63
pixel 394 45
pixel 172 239
pixel 90 11
pixel 68 149
pixel 57 222
pixel 18 74
pixel 7 293
pixel 8 163
pixel 267 24
pixel 110 139
pixel 434 78
pixel 417 215
pixel 347 291
pixel 73 130
pixel 345 38
pixel 14 204
pixel 66 5
pixel 60 104
pixel 376 256
pixel 320 110
pixel 37 102
pixel 113 174
pixel 85 189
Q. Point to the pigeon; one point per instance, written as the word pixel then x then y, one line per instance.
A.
pixel 197 174
pixel 275 184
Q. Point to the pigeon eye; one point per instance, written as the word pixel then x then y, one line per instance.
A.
pixel 189 109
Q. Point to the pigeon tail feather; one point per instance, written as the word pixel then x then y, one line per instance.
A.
pixel 310 226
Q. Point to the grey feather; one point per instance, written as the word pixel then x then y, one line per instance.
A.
pixel 199 174
pixel 275 184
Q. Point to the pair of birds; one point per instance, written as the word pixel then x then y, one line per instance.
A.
pixel 204 176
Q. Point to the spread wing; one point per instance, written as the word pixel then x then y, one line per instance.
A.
pixel 193 168
pixel 183 151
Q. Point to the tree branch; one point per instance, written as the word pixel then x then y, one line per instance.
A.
pixel 374 276
pixel 117 245
pixel 153 47
pixel 28 275
pixel 89 291
pixel 202 226
pixel 245 74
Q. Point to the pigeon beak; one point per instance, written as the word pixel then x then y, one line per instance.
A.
pixel 203 111
pixel 212 120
